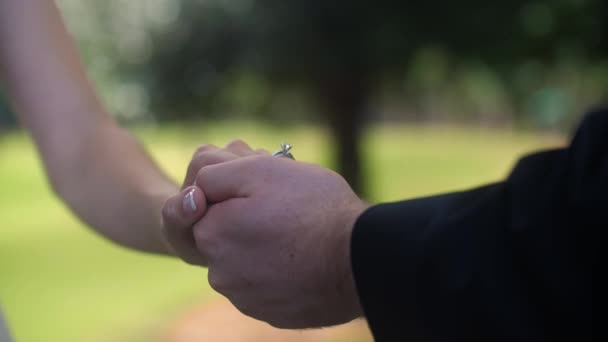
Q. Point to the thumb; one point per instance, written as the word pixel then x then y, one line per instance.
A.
pixel 179 214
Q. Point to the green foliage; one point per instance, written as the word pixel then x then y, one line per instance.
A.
pixel 524 63
pixel 306 43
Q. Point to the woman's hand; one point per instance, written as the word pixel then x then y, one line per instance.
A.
pixel 183 210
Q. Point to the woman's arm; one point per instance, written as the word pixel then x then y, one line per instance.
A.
pixel 102 172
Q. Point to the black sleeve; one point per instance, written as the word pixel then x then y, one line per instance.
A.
pixel 511 261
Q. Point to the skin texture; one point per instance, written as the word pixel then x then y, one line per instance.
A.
pixel 276 236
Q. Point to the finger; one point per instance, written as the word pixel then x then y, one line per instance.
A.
pixel 231 179
pixel 192 169
pixel 206 158
pixel 240 148
pixel 206 148
pixel 179 214
pixel 212 232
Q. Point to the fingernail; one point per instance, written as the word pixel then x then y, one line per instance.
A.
pixel 189 204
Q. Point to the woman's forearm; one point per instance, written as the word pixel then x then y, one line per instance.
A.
pixel 44 76
pixel 115 187
pixel 103 174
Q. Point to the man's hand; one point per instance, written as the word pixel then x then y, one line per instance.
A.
pixel 182 210
pixel 276 238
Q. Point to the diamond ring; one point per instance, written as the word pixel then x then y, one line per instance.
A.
pixel 284 151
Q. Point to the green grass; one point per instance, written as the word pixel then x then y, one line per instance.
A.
pixel 61 282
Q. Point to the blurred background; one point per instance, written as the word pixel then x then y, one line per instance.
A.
pixel 403 98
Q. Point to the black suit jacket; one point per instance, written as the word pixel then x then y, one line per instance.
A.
pixel 511 261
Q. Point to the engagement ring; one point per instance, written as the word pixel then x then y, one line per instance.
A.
pixel 284 152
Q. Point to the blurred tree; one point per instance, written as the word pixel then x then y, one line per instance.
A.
pixel 337 52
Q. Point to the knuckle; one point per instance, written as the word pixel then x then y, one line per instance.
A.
pixel 205 159
pixel 205 148
pixel 236 143
pixel 201 158
pixel 197 163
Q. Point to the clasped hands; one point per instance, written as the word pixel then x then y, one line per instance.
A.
pixel 274 233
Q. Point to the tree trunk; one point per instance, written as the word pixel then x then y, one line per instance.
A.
pixel 344 101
